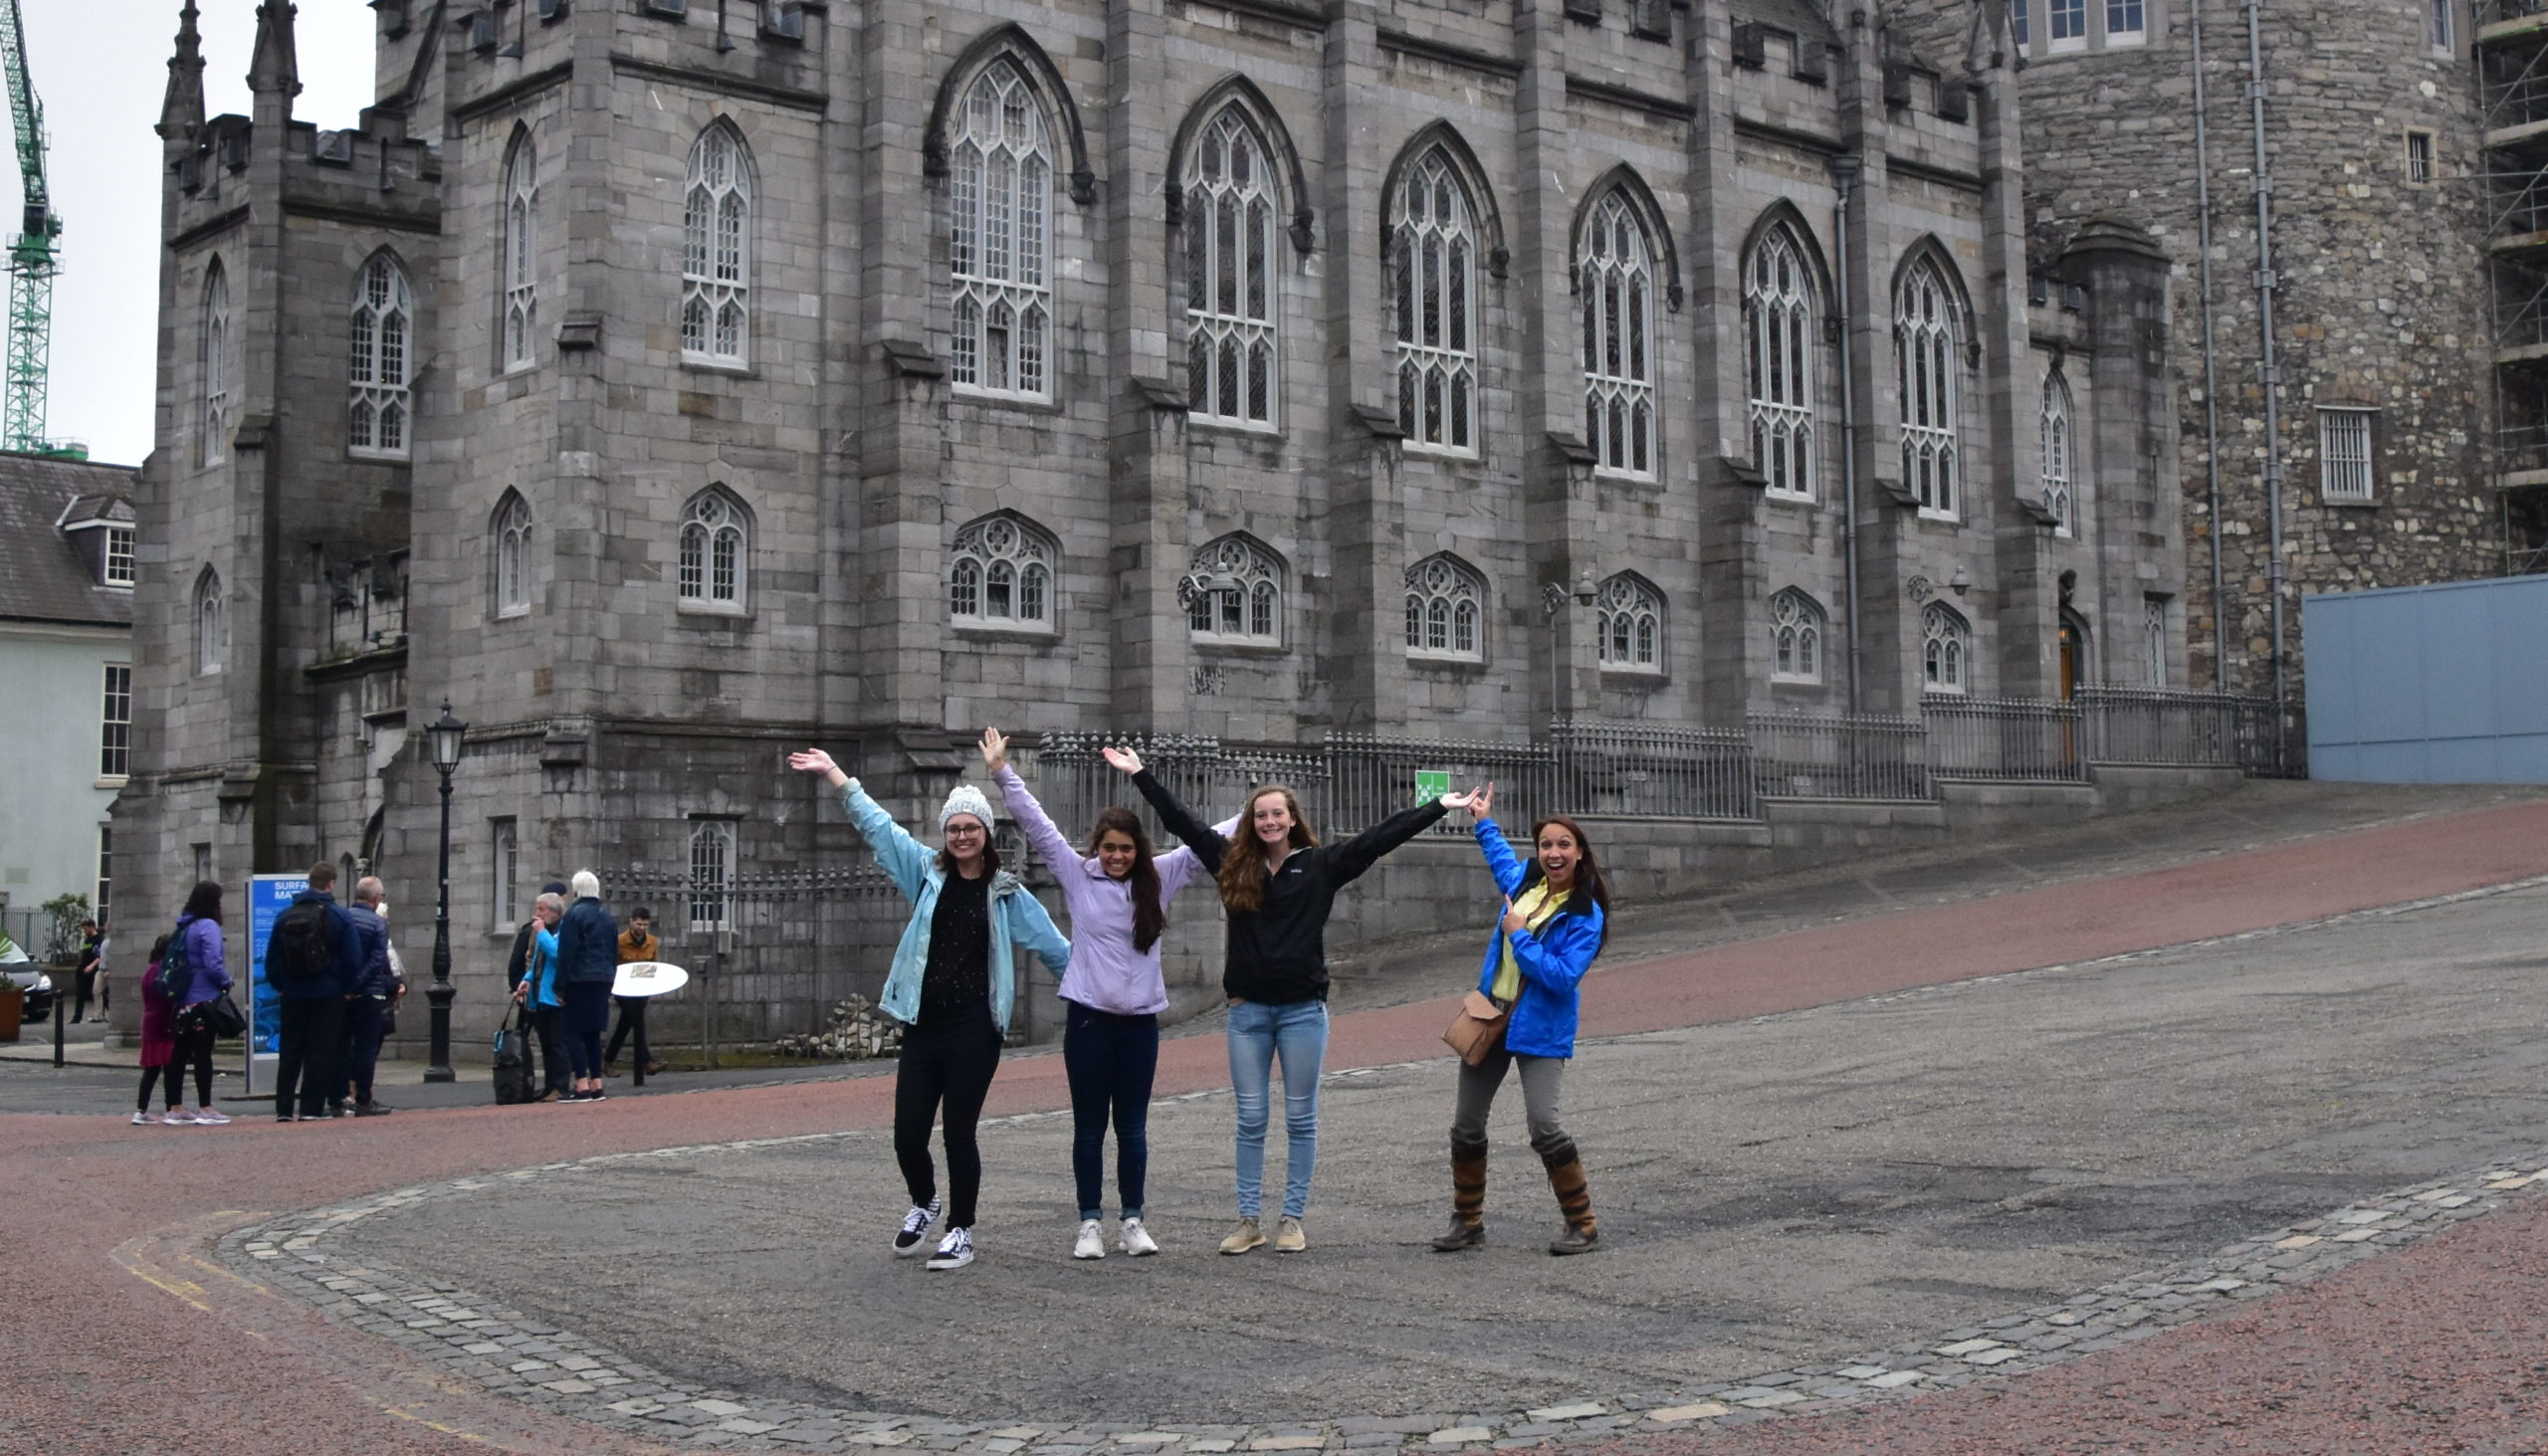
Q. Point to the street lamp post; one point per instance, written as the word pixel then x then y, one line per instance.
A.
pixel 443 738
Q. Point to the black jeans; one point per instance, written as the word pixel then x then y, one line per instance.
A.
pixel 549 1024
pixel 950 1065
pixel 84 985
pixel 581 1021
pixel 632 1016
pixel 314 1031
pixel 1111 1061
pixel 365 1016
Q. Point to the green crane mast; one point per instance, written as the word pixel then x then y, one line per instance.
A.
pixel 33 261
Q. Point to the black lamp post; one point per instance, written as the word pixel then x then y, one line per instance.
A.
pixel 443 740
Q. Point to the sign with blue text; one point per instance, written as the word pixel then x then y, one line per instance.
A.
pixel 267 895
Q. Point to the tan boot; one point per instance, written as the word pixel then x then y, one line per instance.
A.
pixel 1468 1198
pixel 1573 1198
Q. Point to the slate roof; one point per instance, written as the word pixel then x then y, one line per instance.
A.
pixel 42 575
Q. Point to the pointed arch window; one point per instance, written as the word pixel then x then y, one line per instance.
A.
pixel 1000 163
pixel 2060 494
pixel 1946 649
pixel 1630 625
pixel 512 563
pixel 212 422
pixel 1433 243
pixel 1924 356
pixel 1798 625
pixel 714 554
pixel 382 327
pixel 1234 594
pixel 521 255
pixel 1615 282
pixel 717 247
pixel 1001 577
pixel 1445 610
pixel 1780 335
pixel 1230 294
pixel 712 874
pixel 208 622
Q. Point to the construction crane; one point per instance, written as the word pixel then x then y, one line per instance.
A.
pixel 33 261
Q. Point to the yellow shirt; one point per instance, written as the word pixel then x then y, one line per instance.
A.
pixel 1536 906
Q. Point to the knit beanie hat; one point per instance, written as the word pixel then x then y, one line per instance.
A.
pixel 966 799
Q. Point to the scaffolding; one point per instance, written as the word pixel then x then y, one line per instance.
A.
pixel 2511 54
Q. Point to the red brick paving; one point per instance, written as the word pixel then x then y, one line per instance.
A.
pixel 120 1338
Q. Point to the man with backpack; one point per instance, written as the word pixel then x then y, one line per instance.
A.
pixel 371 988
pixel 312 953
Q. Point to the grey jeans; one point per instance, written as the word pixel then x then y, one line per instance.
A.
pixel 1543 1079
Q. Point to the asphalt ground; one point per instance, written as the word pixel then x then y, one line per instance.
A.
pixel 124 1335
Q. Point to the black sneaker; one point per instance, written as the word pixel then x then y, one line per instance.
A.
pixel 915 1230
pixel 373 1110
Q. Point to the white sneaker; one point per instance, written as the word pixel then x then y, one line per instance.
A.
pixel 144 1119
pixel 1137 1240
pixel 915 1229
pixel 177 1115
pixel 210 1118
pixel 953 1251
pixel 1092 1240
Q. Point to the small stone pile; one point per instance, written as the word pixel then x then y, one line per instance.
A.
pixel 856 1031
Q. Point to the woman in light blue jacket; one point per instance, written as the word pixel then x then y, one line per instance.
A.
pixel 1555 923
pixel 953 985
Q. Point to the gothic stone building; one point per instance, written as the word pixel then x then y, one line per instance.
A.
pixel 669 386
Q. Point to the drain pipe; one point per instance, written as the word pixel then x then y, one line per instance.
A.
pixel 1844 178
pixel 2211 386
pixel 2267 374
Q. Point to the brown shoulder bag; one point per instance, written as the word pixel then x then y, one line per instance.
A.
pixel 1477 1028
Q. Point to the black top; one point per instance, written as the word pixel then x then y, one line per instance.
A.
pixel 956 984
pixel 1277 954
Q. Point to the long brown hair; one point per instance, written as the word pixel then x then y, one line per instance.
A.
pixel 1588 889
pixel 1149 917
pixel 1243 873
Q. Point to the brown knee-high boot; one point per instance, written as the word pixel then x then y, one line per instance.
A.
pixel 1573 1198
pixel 1468 1198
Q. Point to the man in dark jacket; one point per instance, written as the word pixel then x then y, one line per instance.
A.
pixel 587 965
pixel 369 989
pixel 85 983
pixel 308 974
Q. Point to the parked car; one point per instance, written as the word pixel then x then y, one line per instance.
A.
pixel 29 977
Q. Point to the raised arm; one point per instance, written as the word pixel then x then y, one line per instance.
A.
pixel 1182 822
pixel 1363 850
pixel 1501 862
pixel 904 859
pixel 1031 818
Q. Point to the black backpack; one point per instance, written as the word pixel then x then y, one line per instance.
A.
pixel 301 954
pixel 176 973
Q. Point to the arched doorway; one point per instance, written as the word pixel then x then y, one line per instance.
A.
pixel 2074 653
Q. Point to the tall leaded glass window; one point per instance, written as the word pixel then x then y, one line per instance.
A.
pixel 716 246
pixel 2154 639
pixel 376 370
pixel 505 869
pixel 1946 646
pixel 1797 627
pixel 1779 339
pixel 2060 496
pixel 212 421
pixel 512 557
pixel 1001 576
pixel 1924 355
pixel 1235 593
pixel 1445 609
pixel 114 722
pixel 1230 294
pixel 1434 242
pixel 712 874
pixel 1629 622
pixel 521 255
pixel 1001 168
pixel 208 634
pixel 715 550
pixel 1615 283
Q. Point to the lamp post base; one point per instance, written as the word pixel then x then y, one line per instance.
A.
pixel 439 996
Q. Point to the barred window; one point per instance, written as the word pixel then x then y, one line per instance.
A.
pixel 208 625
pixel 2344 454
pixel 1230 294
pixel 1924 354
pixel 1445 609
pixel 1945 644
pixel 715 553
pixel 1001 168
pixel 715 256
pixel 1615 277
pixel 212 421
pixel 115 723
pixel 1235 594
pixel 521 255
pixel 2058 493
pixel 513 561
pixel 711 874
pixel 383 323
pixel 1433 247
pixel 1780 335
pixel 1630 625
pixel 1001 576
pixel 118 570
pixel 1797 626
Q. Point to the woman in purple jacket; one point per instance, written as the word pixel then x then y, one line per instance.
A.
pixel 199 930
pixel 1113 993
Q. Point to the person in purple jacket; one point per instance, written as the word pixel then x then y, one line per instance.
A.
pixel 199 931
pixel 1113 993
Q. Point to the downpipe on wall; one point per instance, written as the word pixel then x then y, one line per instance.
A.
pixel 2267 372
pixel 2211 383
pixel 1844 177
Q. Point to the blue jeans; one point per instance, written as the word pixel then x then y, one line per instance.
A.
pixel 1111 1061
pixel 1296 1031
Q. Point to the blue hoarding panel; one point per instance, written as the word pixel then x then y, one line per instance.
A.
pixel 2430 685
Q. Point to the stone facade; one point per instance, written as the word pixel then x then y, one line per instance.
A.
pixel 524 558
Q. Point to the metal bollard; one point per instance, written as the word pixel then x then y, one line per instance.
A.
pixel 59 996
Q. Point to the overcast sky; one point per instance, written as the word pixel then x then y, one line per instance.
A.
pixel 101 68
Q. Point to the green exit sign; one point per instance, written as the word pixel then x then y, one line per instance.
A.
pixel 1432 784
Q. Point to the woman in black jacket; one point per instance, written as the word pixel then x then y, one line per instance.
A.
pixel 1277 887
pixel 587 966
